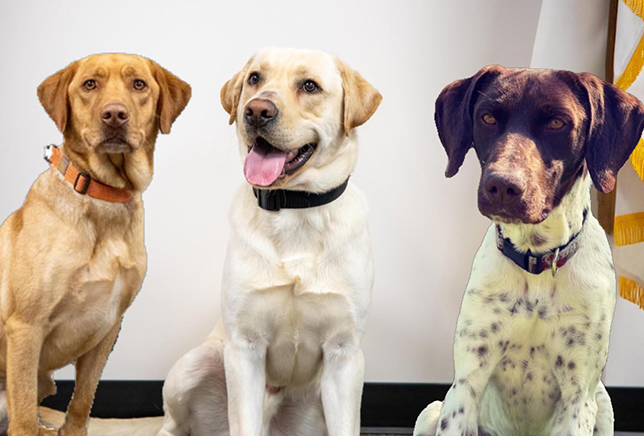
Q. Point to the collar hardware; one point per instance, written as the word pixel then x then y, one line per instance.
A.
pixel 555 260
pixel 275 200
pixel 86 182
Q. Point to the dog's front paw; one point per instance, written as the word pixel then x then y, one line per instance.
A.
pixel 427 421
pixel 46 431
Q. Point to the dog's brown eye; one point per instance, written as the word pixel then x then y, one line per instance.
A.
pixel 556 124
pixel 139 85
pixel 89 84
pixel 488 119
pixel 310 86
pixel 253 79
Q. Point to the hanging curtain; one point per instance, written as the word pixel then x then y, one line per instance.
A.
pixel 629 199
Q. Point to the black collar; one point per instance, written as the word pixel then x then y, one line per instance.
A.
pixel 538 263
pixel 276 199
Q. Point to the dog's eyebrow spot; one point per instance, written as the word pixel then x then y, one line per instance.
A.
pixel 101 73
pixel 262 67
pixel 128 71
pixel 302 70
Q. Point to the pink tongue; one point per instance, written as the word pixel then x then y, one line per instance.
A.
pixel 262 167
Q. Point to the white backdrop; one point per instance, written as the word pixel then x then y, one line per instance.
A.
pixel 425 228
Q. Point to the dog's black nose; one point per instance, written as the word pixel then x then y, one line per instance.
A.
pixel 115 115
pixel 503 188
pixel 259 112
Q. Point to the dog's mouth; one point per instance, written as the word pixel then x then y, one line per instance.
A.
pixel 265 163
pixel 506 217
pixel 115 144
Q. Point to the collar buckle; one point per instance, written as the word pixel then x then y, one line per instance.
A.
pixel 86 182
pixel 268 199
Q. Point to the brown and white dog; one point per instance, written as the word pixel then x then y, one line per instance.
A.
pixel 72 258
pixel 532 335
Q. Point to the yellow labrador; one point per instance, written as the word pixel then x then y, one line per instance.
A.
pixel 286 358
pixel 72 258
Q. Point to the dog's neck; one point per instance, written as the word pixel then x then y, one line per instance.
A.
pixel 131 171
pixel 565 221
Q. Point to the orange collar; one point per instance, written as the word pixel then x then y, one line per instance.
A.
pixel 83 182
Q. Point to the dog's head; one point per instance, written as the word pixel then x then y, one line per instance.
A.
pixel 113 103
pixel 294 110
pixel 535 132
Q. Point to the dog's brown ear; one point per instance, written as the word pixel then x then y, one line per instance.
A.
pixel 231 92
pixel 453 115
pixel 174 95
pixel 53 94
pixel 360 98
pixel 616 122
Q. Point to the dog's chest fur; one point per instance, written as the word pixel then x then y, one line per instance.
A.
pixel 535 328
pixel 87 263
pixel 298 283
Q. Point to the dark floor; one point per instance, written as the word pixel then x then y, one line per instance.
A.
pixel 408 431
pixel 366 431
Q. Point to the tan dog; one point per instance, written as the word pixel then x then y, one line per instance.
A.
pixel 72 259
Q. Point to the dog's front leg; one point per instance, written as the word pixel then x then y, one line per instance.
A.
pixel 88 372
pixel 341 385
pixel 577 410
pixel 24 343
pixel 475 361
pixel 244 363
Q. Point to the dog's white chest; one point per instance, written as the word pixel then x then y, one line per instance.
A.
pixel 297 284
pixel 535 331
pixel 296 326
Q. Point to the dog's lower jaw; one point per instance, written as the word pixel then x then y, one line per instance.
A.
pixel 120 170
pixel 562 223
pixel 322 177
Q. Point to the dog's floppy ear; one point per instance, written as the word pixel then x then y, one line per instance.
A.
pixel 453 115
pixel 360 98
pixel 174 95
pixel 53 94
pixel 231 92
pixel 616 121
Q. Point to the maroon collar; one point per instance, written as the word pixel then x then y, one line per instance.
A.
pixel 538 263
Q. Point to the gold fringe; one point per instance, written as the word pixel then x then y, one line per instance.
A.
pixel 634 66
pixel 636 6
pixel 629 229
pixel 637 159
pixel 632 291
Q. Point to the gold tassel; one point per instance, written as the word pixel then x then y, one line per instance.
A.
pixel 636 6
pixel 634 66
pixel 631 291
pixel 637 159
pixel 629 229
